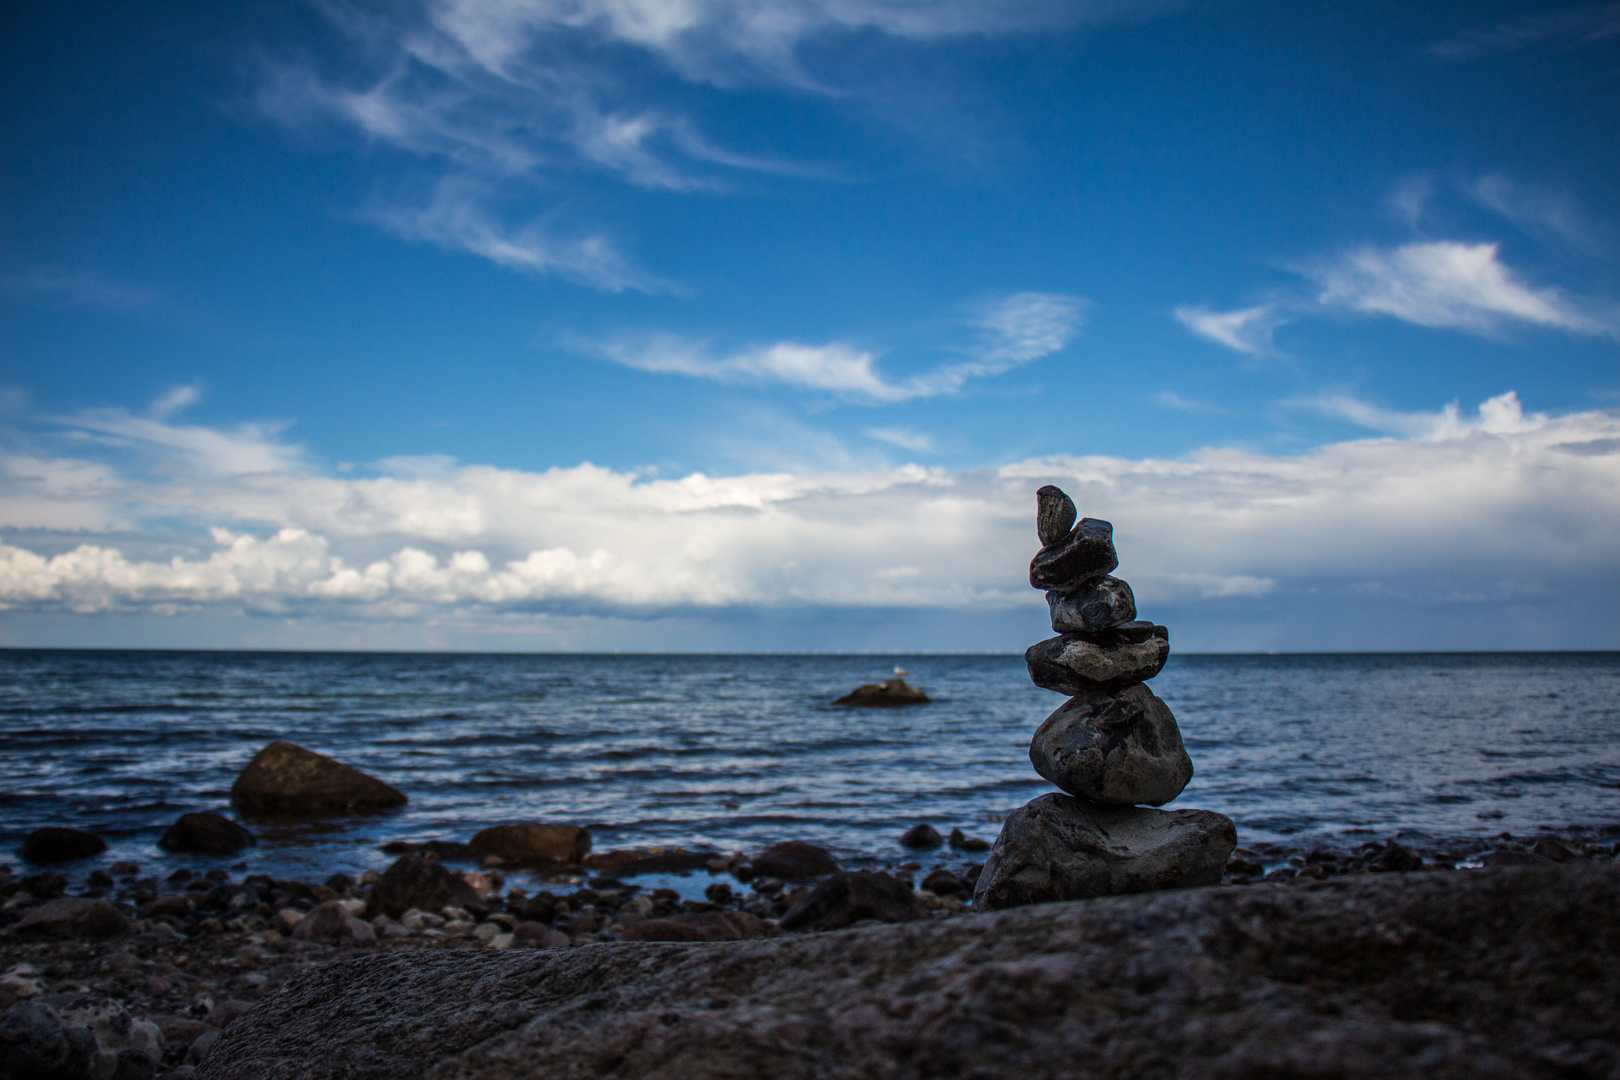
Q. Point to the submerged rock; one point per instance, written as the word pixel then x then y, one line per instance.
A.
pixel 1077 664
pixel 1060 848
pixel 895 691
pixel 285 778
pixel 849 897
pixel 1119 748
pixel 56 843
pixel 1423 976
pixel 1086 552
pixel 534 845
pixel 416 881
pixel 1100 604
pixel 205 833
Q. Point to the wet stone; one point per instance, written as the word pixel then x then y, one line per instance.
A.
pixel 1100 604
pixel 1117 748
pixel 1086 552
pixel 60 844
pixel 1054 515
pixel 205 833
pixel 1076 664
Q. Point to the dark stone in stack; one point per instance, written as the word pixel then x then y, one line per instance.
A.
pixel 1112 746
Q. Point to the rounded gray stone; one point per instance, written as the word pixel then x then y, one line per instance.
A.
pixel 1101 604
pixel 1060 848
pixel 1054 514
pixel 1116 748
pixel 1081 663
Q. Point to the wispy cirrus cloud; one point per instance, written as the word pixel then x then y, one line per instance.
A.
pixel 81 289
pixel 508 96
pixel 1013 330
pixel 1571 27
pixel 1447 284
pixel 1245 330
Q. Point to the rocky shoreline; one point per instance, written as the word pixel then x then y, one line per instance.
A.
pixel 173 960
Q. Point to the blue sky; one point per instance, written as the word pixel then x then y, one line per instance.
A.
pixel 730 324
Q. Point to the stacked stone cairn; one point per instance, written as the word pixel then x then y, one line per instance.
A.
pixel 1112 747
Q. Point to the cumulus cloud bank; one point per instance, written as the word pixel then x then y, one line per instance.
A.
pixel 1494 502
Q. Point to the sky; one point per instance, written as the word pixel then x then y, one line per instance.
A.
pixel 753 325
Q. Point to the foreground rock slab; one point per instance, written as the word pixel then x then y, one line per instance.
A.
pixel 1449 975
pixel 285 778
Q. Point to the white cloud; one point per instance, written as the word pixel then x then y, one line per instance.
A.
pixel 1014 330
pixel 904 438
pixel 1446 284
pixel 1500 415
pixel 1460 504
pixel 1533 210
pixel 517 93
pixel 82 289
pixel 1169 399
pixel 1573 26
pixel 1246 330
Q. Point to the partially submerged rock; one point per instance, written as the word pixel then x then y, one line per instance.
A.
pixel 628 862
pixel 921 835
pixel 895 691
pixel 1060 848
pixel 205 833
pixel 534 845
pixel 285 778
pixel 793 859
pixel 1119 748
pixel 1427 976
pixel 57 843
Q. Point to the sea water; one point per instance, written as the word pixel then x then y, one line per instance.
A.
pixel 734 752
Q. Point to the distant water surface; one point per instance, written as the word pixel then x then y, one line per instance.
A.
pixel 735 752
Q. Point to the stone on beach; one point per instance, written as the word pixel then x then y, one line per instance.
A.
pixel 332 921
pixel 56 843
pixel 1086 552
pixel 285 778
pixel 1077 664
pixel 1100 604
pixel 1061 848
pixel 1118 748
pixel 416 881
pixel 1427 976
pixel 37 1044
pixel 895 691
pixel 702 926
pixel 534 845
pixel 849 897
pixel 794 859
pixel 205 833
pixel 921 835
pixel 73 916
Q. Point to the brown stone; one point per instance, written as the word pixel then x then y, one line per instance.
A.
pixel 534 845
pixel 284 778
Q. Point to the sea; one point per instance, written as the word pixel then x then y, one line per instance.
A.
pixel 731 753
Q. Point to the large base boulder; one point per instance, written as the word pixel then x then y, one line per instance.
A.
pixel 57 843
pixel 534 845
pixel 285 778
pixel 205 833
pixel 1059 848
pixel 1119 748
pixel 1428 976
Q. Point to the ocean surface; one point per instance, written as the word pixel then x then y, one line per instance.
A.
pixel 735 752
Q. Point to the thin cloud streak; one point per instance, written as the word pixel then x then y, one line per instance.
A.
pixel 1571 27
pixel 1246 330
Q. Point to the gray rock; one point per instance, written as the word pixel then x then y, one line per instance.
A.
pixel 534 845
pixel 1087 552
pixel 849 897
pixel 1060 848
pixel 1078 664
pixel 1054 515
pixel 126 1048
pixel 37 1044
pixel 1427 976
pixel 416 881
pixel 1100 604
pixel 1118 748
pixel 55 843
pixel 792 859
pixel 73 916
pixel 331 921
pixel 206 833
pixel 921 835
pixel 285 778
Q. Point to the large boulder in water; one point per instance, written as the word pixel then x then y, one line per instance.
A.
pixel 1119 748
pixel 534 845
pixel 1059 848
pixel 205 833
pixel 1437 976
pixel 284 778
pixel 416 881
pixel 895 691
pixel 57 843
